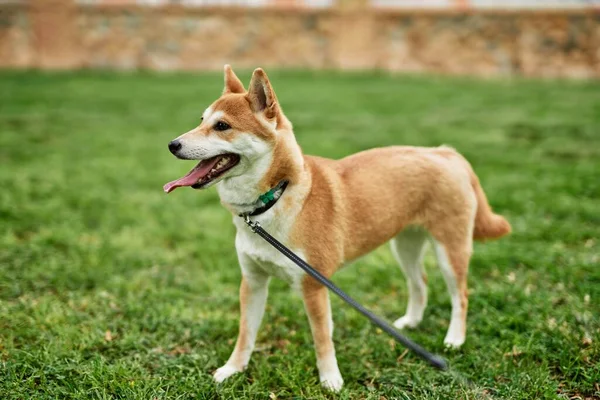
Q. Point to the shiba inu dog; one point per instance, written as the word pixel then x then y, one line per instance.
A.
pixel 331 212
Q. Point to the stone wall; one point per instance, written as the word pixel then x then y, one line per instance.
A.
pixel 60 34
pixel 16 37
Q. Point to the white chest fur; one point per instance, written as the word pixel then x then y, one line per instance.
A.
pixel 278 222
pixel 264 256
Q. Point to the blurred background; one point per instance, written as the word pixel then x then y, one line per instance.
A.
pixel 111 289
pixel 547 38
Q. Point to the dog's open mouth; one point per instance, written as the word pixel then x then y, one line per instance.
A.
pixel 205 172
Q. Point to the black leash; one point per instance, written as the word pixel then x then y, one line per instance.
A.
pixel 432 359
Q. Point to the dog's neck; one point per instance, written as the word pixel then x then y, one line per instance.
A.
pixel 285 162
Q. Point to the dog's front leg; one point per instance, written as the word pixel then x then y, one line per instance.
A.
pixel 253 296
pixel 318 308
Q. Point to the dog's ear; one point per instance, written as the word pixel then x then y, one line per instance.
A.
pixel 261 95
pixel 232 82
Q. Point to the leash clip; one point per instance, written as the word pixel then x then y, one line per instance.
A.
pixel 253 225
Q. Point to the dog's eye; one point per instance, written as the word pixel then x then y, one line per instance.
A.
pixel 221 126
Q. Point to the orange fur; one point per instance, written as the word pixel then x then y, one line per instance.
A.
pixel 371 196
pixel 242 343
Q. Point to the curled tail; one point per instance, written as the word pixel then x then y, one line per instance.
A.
pixel 487 224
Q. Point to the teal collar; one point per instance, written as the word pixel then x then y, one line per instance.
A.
pixel 268 199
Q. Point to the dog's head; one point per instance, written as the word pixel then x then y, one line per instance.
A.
pixel 237 134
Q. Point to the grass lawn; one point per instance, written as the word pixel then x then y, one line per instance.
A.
pixel 111 289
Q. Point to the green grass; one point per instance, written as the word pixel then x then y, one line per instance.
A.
pixel 89 243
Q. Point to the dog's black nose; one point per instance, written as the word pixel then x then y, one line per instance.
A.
pixel 174 146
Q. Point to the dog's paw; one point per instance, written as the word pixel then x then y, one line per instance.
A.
pixel 225 372
pixel 406 322
pixel 454 341
pixel 332 381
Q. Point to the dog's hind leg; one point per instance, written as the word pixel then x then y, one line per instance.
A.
pixel 453 258
pixel 253 297
pixel 408 248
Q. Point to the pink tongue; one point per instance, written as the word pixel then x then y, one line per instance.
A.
pixel 192 177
